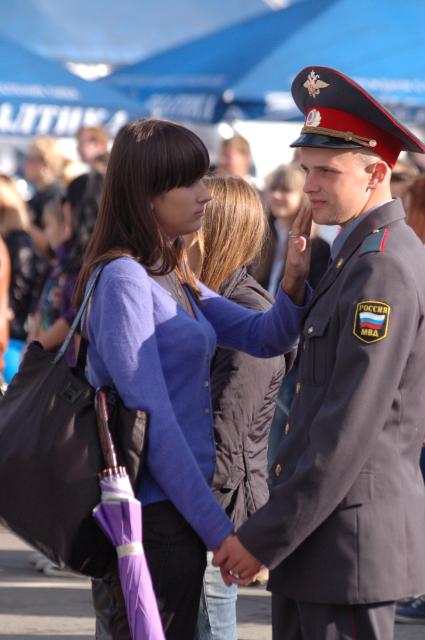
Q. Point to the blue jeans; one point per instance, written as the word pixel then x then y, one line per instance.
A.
pixel 217 609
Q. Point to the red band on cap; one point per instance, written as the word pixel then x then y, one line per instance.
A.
pixel 387 146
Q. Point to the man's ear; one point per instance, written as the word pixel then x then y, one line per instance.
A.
pixel 378 171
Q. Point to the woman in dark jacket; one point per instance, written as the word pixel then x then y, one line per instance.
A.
pixel 243 388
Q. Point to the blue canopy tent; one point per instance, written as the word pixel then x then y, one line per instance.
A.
pixel 40 97
pixel 245 71
pixel 116 33
pixel 195 81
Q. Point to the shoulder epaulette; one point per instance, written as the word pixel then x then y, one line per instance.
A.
pixel 374 242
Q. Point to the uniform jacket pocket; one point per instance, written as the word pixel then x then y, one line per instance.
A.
pixel 315 368
pixel 360 493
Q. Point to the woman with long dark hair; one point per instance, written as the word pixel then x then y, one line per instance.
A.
pixel 152 332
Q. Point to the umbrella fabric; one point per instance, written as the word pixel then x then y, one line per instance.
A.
pixel 119 514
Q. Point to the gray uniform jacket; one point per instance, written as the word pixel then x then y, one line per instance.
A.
pixel 345 522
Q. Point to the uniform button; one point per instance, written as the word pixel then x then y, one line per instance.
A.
pixel 206 383
pixel 277 470
pixel 310 329
pixel 207 411
pixel 286 430
pixel 339 263
pixel 298 387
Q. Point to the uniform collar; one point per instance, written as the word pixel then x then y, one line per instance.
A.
pixel 349 228
pixel 377 218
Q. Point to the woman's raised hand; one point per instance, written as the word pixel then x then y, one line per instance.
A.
pixel 297 264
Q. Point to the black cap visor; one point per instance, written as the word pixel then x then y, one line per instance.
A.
pixel 323 142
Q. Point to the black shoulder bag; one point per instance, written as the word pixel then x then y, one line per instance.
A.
pixel 50 455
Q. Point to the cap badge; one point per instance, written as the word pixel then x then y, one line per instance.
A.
pixel 313 118
pixel 313 84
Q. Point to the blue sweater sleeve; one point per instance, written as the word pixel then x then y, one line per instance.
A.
pixel 261 334
pixel 122 328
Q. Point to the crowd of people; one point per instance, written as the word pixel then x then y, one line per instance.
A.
pixel 196 318
pixel 45 239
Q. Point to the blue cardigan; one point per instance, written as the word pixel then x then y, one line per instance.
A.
pixel 158 358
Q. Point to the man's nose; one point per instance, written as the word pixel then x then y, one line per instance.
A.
pixel 310 184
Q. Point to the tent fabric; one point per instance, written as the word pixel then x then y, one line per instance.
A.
pixel 115 33
pixel 195 81
pixel 40 97
pixel 246 70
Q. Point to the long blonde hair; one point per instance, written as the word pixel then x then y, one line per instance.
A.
pixel 233 229
pixel 13 211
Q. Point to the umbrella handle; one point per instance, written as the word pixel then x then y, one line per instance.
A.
pixel 102 415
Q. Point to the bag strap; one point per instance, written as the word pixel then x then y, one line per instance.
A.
pixel 77 320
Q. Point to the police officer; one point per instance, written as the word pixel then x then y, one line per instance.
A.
pixel 344 528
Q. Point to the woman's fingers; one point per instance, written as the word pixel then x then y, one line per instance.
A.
pixel 299 241
pixel 302 223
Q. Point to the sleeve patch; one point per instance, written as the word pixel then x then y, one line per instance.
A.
pixel 371 320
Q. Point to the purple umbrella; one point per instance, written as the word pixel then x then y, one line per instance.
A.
pixel 119 515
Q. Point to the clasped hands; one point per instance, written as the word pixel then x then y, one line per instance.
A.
pixel 237 564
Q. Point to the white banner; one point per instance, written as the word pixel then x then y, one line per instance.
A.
pixel 28 119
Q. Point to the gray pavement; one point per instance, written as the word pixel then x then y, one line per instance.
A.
pixel 33 605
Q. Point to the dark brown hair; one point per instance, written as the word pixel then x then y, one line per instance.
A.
pixel 416 206
pixel 149 157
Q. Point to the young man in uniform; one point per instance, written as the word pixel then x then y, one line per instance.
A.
pixel 344 528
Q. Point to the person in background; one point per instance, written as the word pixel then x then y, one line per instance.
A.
pixel 57 229
pixel 5 270
pixel 402 177
pixel 58 233
pixel 145 297
pixel 243 388
pixel 284 197
pixel 14 229
pixel 92 146
pixel 235 158
pixel 92 142
pixel 415 206
pixel 81 218
pixel 413 610
pixel 43 167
